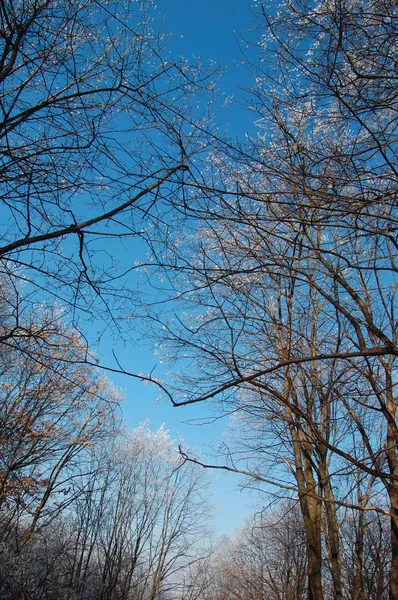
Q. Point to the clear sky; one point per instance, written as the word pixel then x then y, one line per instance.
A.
pixel 209 30
pixel 215 30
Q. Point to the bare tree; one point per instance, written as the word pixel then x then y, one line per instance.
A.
pixel 93 114
pixel 265 559
pixel 366 544
pixel 54 409
pixel 134 526
pixel 141 522
pixel 287 268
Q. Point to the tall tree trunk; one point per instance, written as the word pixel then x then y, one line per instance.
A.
pixel 362 501
pixel 333 543
pixel 393 576
pixel 392 487
pixel 311 508
pixel 357 591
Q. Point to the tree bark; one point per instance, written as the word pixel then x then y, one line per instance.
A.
pixel 333 543
pixel 393 576
pixel 311 509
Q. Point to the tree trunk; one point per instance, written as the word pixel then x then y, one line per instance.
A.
pixel 311 510
pixel 357 591
pixel 332 541
pixel 393 576
pixel 392 487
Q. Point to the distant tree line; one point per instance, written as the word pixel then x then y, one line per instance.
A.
pixel 267 558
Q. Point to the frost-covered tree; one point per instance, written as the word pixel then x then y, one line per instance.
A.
pixel 133 526
pixel 287 268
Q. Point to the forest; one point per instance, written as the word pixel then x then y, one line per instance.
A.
pixel 262 271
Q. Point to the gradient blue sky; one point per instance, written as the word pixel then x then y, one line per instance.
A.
pixel 209 30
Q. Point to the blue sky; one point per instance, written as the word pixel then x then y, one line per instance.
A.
pixel 208 30
pixel 218 31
